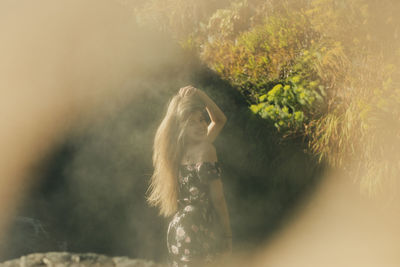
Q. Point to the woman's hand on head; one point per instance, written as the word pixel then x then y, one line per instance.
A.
pixel 187 91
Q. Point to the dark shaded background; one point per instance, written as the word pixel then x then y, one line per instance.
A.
pixel 90 197
pixel 89 191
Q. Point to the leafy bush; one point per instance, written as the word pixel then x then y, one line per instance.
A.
pixel 282 67
pixel 323 69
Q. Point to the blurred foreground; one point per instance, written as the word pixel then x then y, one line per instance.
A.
pixel 66 64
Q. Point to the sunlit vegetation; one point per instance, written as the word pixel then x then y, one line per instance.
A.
pixel 325 70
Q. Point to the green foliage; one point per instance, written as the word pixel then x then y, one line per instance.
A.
pixel 226 23
pixel 180 18
pixel 260 56
pixel 278 66
pixel 324 69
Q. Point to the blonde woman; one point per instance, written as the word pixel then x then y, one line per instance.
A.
pixel 186 184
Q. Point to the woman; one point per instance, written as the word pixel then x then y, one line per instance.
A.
pixel 186 184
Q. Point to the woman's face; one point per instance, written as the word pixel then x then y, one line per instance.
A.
pixel 196 129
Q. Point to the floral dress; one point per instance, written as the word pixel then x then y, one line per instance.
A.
pixel 192 233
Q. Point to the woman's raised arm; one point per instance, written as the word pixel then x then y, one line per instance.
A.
pixel 218 118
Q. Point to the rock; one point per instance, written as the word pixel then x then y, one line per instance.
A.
pixel 66 259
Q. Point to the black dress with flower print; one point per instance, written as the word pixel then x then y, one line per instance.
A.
pixel 192 236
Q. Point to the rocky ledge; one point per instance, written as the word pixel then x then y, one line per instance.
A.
pixel 66 259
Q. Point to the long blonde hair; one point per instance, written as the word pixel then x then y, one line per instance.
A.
pixel 168 149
